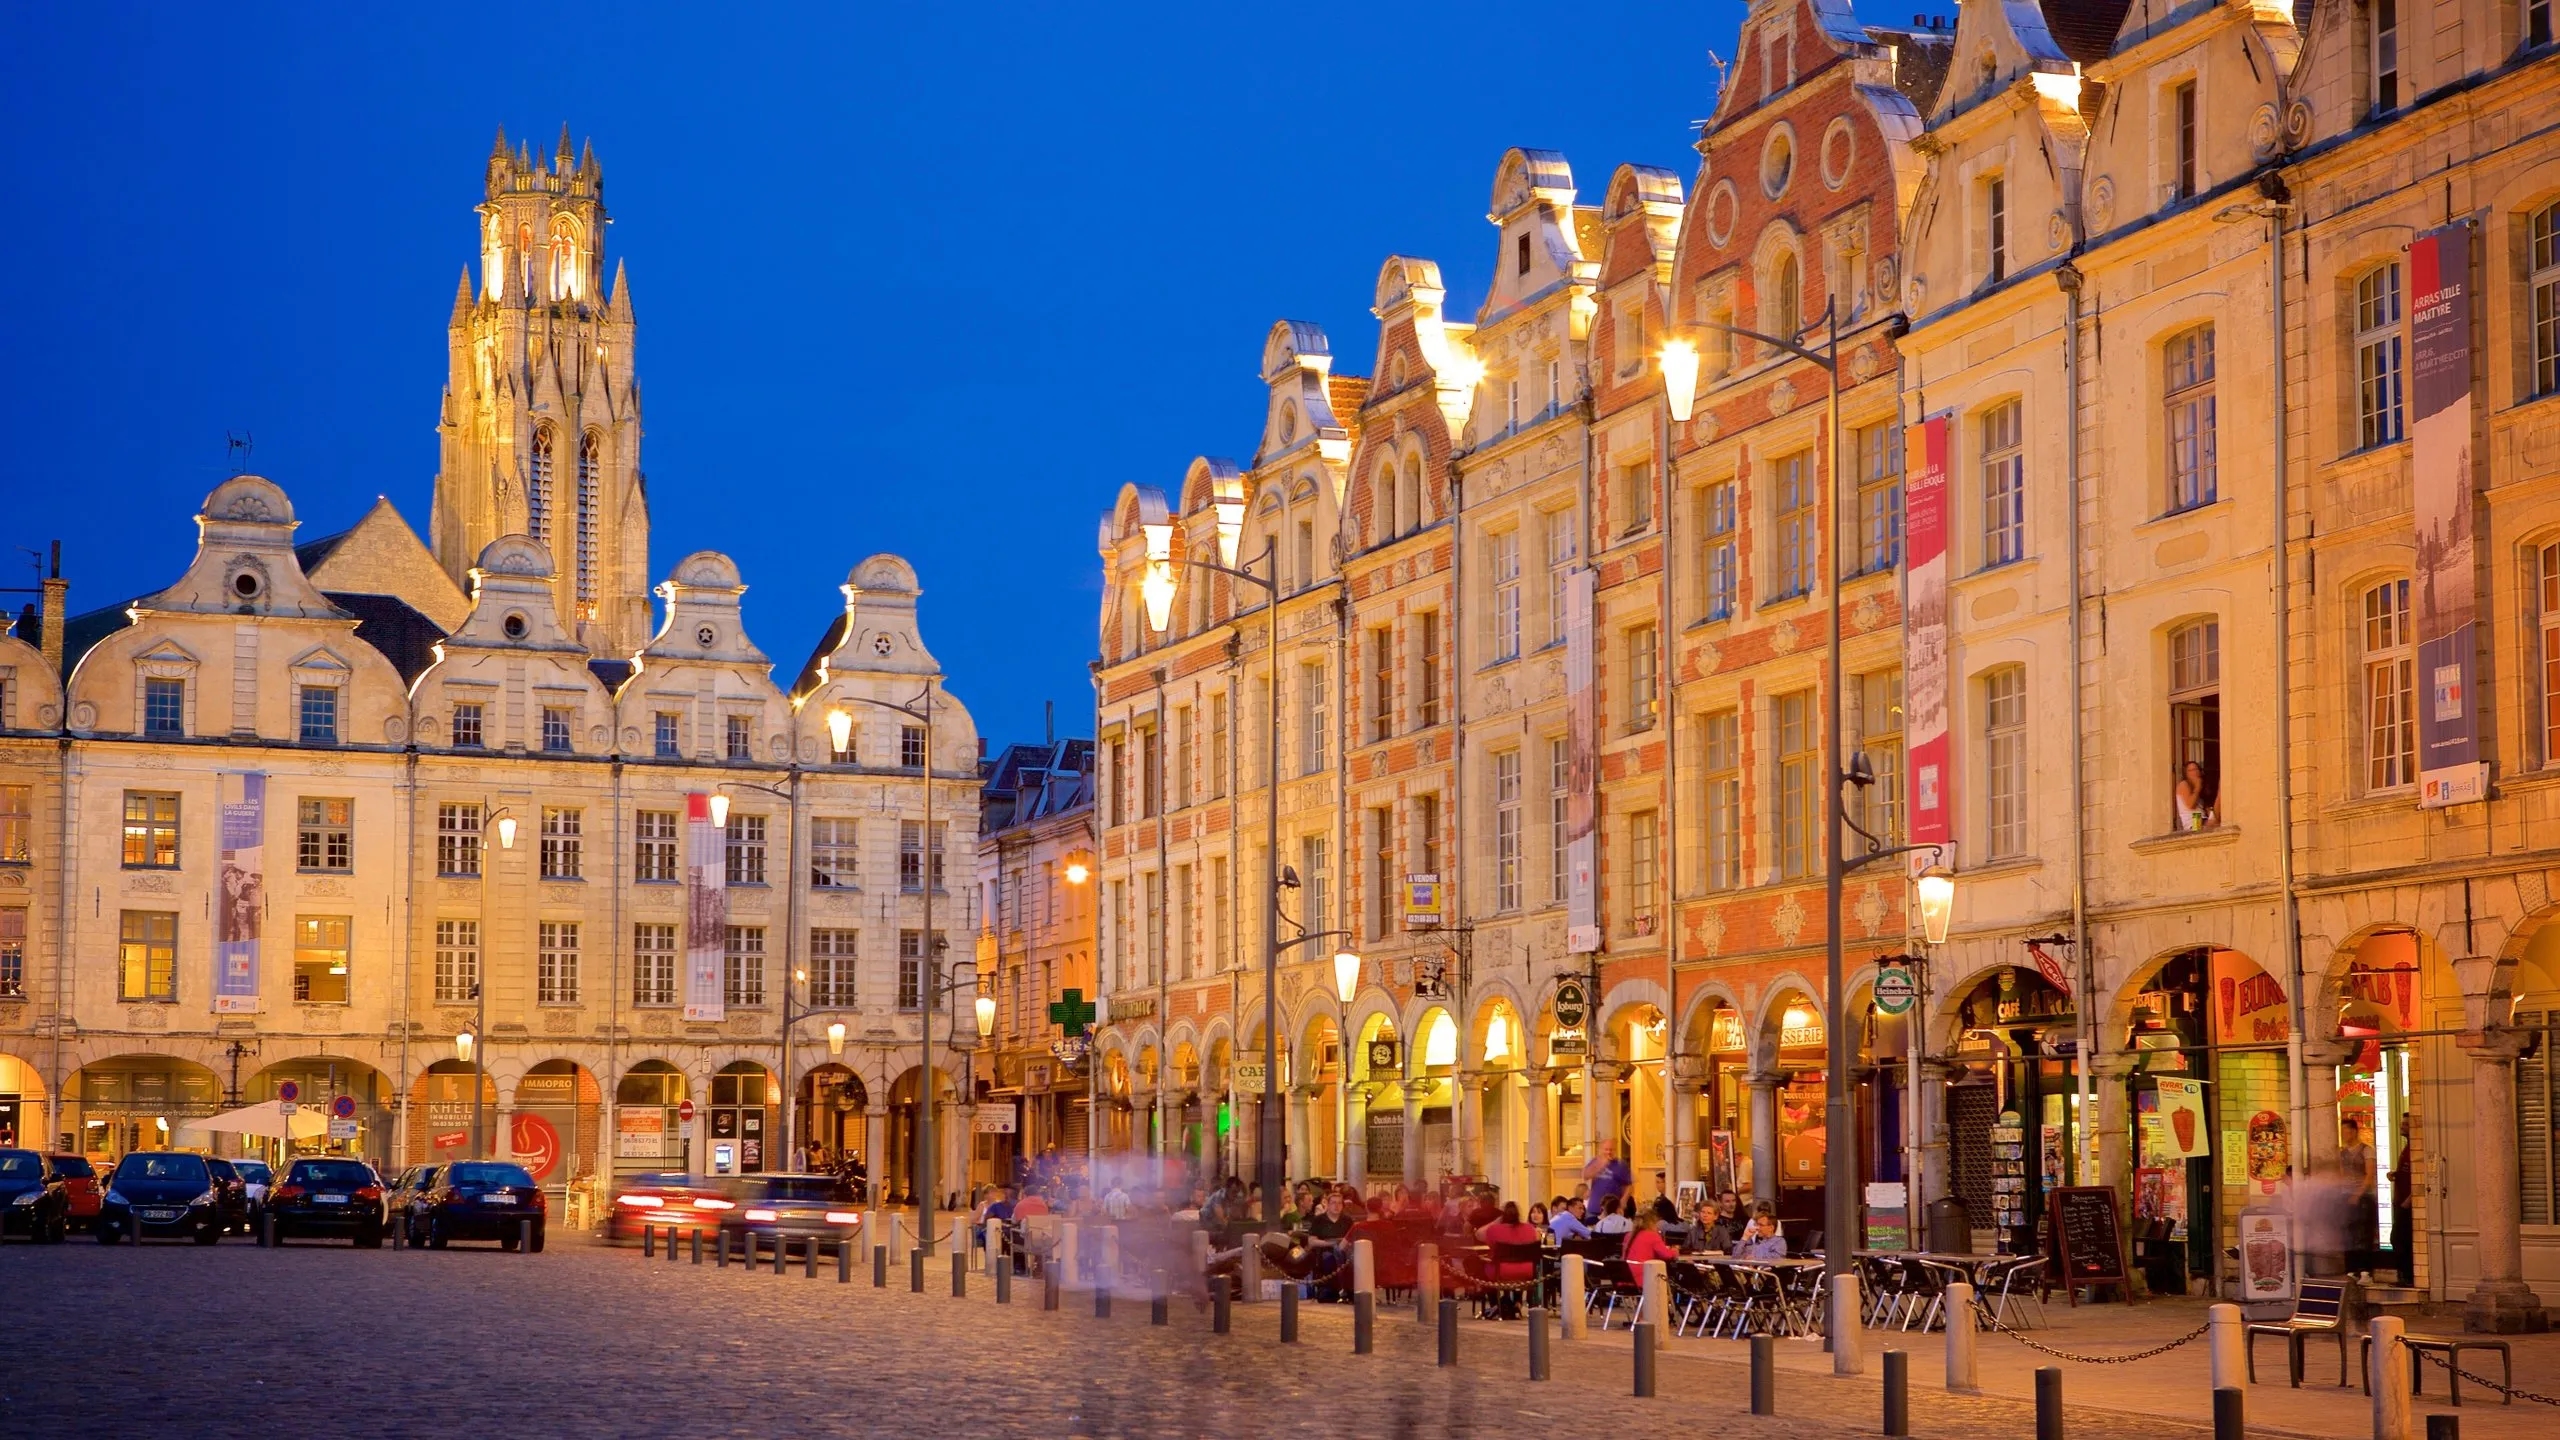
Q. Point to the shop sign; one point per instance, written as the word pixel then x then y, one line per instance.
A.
pixel 536 1144
pixel 1382 1054
pixel 1421 902
pixel 1569 1040
pixel 641 1133
pixel 1724 1037
pixel 1888 1216
pixel 1249 1077
pixel 452 1139
pixel 1573 1003
pixel 1035 1075
pixel 2249 1006
pixel 994 1121
pixel 1132 1007
pixel 2183 1131
pixel 1895 989
pixel 1804 1034
pixel 2266 1255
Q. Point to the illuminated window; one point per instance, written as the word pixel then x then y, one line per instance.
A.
pixel 150 830
pixel 147 962
pixel 320 959
pixel 324 834
pixel 17 823
pixel 2390 688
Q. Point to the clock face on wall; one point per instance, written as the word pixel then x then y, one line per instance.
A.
pixel 706 636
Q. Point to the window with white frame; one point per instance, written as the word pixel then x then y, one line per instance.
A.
pixel 835 852
pixel 742 967
pixel 1878 452
pixel 1185 787
pixel 2384 53
pixel 1151 896
pixel 467 731
pixel 911 747
pixel 1798 530
pixel 555 731
pixel 17 823
pixel 1643 671
pixel 164 708
pixel 2542 278
pixel 911 968
pixel 2377 342
pixel 458 839
pixel 147 958
pixel 663 729
pixel 1644 871
pixel 653 846
pixel 1635 497
pixel 2195 724
pixel 2178 138
pixel 1722 734
pixel 1314 895
pixel 832 954
pixel 2004 485
pixel 318 714
pixel 1994 192
pixel 2546 589
pixel 1426 668
pixel 2188 424
pixel 324 835
pixel 1218 745
pixel 1382 683
pixel 1181 954
pixel 150 830
pixel 1783 314
pixel 1504 571
pixel 563 845
pixel 458 961
pixel 1150 771
pixel 2004 769
pixel 1799 742
pixel 1879 730
pixel 1306 553
pixel 653 963
pixel 746 850
pixel 1506 830
pixel 1559 819
pixel 1315 717
pixel 1563 547
pixel 2537 23
pixel 13 951
pixel 2390 688
pixel 1721 574
pixel 555 975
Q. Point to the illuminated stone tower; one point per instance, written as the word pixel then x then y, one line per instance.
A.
pixel 541 421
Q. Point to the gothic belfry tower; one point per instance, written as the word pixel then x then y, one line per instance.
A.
pixel 541 423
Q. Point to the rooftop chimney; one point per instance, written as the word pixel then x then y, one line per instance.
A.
pixel 57 592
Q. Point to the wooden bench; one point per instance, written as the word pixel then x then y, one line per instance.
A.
pixel 2319 1308
pixel 2451 1348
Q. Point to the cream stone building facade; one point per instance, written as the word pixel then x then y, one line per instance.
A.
pixel 312 814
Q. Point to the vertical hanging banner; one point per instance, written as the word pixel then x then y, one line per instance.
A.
pixel 240 909
pixel 1924 632
pixel 1582 765
pixel 706 910
pixel 2450 770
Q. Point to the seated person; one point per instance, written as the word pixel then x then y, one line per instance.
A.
pixel 1567 1222
pixel 1645 1242
pixel 1616 1218
pixel 1760 1239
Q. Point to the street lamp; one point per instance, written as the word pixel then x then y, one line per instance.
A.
pixel 835 1039
pixel 1346 984
pixel 1840 1151
pixel 467 1046
pixel 1937 888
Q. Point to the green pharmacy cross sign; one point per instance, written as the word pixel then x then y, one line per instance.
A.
pixel 1073 1013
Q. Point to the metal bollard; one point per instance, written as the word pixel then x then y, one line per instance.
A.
pixel 2223 1336
pixel 1426 1283
pixel 809 1258
pixel 697 1244
pixel 1960 1337
pixel 524 1237
pixel 1252 1268
pixel 844 1262
pixel 2388 1377
pixel 781 1248
pixel 1222 1305
pixel 1764 1374
pixel 1644 1333
pixel 2048 1403
pixel 2440 1426
pixel 959 1274
pixel 1448 1329
pixel 915 1271
pixel 266 1230
pixel 1004 1279
pixel 1897 1393
pixel 2229 1410
pixel 1049 1286
pixel 1102 1301
pixel 879 1267
pixel 1571 1306
pixel 1364 1321
pixel 1288 1312
pixel 671 1243
pixel 1157 1313
pixel 648 1242
pixel 747 1250
pixel 720 1251
pixel 399 1233
pixel 1538 1365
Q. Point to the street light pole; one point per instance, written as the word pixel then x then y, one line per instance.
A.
pixel 505 821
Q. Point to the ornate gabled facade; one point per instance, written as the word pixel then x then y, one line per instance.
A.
pixel 541 417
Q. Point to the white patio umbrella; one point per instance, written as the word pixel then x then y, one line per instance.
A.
pixel 266 1120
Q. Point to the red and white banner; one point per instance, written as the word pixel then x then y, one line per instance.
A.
pixel 1582 762
pixel 2450 770
pixel 706 892
pixel 1924 633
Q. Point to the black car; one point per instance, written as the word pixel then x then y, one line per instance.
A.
pixel 479 1200
pixel 35 1197
pixel 234 1190
pixel 323 1196
pixel 165 1193
pixel 794 1209
pixel 400 1204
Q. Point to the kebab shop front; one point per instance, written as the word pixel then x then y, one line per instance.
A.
pixel 2211 1139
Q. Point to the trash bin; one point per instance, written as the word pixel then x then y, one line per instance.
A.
pixel 1950 1227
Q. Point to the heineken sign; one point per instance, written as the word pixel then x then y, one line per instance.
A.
pixel 1895 989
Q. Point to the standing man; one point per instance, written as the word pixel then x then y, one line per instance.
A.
pixel 2355 1161
pixel 1608 1177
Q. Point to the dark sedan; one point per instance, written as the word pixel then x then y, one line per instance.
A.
pixel 35 1201
pixel 795 1209
pixel 479 1200
pixel 164 1193
pixel 327 1197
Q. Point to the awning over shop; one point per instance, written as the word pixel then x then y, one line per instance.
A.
pixel 267 1120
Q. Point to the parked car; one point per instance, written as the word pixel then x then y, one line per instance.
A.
pixel 480 1200
pixel 80 1181
pixel 665 1198
pixel 164 1193
pixel 794 1208
pixel 327 1196
pixel 400 1200
pixel 259 1179
pixel 234 1190
pixel 34 1201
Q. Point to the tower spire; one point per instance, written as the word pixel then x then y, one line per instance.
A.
pixel 560 162
pixel 462 295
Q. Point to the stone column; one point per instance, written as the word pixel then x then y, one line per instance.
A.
pixel 1541 1172
pixel 1684 1131
pixel 2501 1303
pixel 1413 1136
pixel 502 1127
pixel 875 1149
pixel 2111 1077
pixel 2320 1062
pixel 1765 1169
pixel 1468 1116
pixel 1600 1116
pixel 1298 1166
pixel 1937 1171
pixel 963 1148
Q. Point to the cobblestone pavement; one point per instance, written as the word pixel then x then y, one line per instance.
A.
pixel 588 1341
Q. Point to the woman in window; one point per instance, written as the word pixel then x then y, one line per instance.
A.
pixel 2197 798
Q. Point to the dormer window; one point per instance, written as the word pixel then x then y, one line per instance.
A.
pixel 1995 229
pixel 665 748
pixel 2386 55
pixel 319 714
pixel 466 726
pixel 555 729
pixel 740 742
pixel 1520 247
pixel 164 709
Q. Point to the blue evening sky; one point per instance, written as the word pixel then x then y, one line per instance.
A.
pixel 930 279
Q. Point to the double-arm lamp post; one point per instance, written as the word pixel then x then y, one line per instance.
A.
pixel 1935 885
pixel 1156 587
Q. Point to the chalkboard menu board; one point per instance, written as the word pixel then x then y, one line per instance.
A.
pixel 2088 1236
